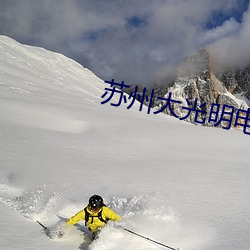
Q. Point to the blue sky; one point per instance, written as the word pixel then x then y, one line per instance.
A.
pixel 138 41
pixel 218 17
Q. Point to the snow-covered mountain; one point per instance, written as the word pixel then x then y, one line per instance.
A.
pixel 237 81
pixel 198 79
pixel 183 185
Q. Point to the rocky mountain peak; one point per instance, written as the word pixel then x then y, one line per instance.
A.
pixel 198 83
pixel 197 64
pixel 237 81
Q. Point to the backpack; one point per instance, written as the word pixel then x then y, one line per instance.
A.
pixel 88 216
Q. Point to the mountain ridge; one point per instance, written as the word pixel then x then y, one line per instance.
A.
pixel 198 79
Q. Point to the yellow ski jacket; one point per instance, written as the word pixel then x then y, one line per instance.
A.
pixel 94 223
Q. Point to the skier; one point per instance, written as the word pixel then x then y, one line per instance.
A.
pixel 95 214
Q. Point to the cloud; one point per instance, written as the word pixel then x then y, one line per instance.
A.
pixel 233 49
pixel 228 28
pixel 135 41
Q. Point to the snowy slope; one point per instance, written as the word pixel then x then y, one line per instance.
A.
pixel 183 185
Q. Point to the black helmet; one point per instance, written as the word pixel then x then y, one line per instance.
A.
pixel 96 202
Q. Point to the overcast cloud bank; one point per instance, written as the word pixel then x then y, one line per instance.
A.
pixel 135 41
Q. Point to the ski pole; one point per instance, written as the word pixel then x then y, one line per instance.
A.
pixel 45 228
pixel 146 238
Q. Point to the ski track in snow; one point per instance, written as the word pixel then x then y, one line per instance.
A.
pixel 42 116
